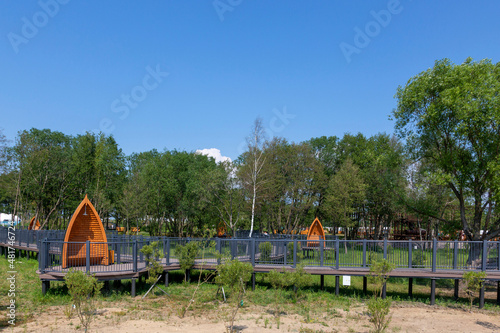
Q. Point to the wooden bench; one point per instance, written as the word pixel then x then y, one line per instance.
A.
pixel 77 255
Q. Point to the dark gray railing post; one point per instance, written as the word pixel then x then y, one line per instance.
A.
pixel 118 247
pixel 233 246
pixel 167 254
pixel 485 255
pixel 498 261
pixel 321 250
pixel 434 254
pixel 41 262
pixel 164 241
pixel 410 253
pixel 337 254
pixel 455 254
pixel 285 251
pixel 134 255
pixel 385 248
pixel 364 252
pixel 252 251
pixel 218 249
pixel 294 253
pixel 141 255
pixel 87 259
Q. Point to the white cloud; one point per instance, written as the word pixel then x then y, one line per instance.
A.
pixel 215 153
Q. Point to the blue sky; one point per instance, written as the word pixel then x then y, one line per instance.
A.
pixel 75 66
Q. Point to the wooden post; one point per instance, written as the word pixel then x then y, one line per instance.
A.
pixel 456 289
pixel 365 283
pixel 253 281
pixel 166 278
pixel 481 297
pixel 433 291
pixel 337 285
pixel 45 286
pixel 132 292
pixel 322 282
pixel 498 292
pixel 410 287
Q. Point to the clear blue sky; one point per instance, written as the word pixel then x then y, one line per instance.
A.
pixel 70 68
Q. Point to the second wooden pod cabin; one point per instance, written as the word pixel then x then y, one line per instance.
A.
pixel 315 233
pixel 33 225
pixel 85 225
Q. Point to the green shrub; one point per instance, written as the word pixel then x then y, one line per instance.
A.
pixel 234 274
pixel 151 252
pixel 299 279
pixel 186 255
pixel 82 289
pixel 265 250
pixel 378 309
pixel 279 281
pixel 379 273
pixel 473 283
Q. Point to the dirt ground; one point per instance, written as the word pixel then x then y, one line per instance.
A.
pixel 405 318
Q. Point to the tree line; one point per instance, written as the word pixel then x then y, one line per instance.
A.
pixel 441 166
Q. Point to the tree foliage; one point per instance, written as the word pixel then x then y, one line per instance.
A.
pixel 450 116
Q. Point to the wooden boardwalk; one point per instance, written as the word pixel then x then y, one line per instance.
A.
pixel 124 270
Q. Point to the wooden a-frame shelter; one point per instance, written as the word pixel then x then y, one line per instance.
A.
pixel 85 225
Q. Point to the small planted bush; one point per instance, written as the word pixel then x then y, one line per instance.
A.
pixel 473 283
pixel 299 279
pixel 152 253
pixel 234 275
pixel 186 255
pixel 378 308
pixel 82 289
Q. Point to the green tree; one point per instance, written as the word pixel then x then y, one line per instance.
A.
pixel 345 192
pixel 449 116
pixel 295 178
pixel 43 158
pixel 225 194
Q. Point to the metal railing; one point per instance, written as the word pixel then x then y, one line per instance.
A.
pixel 124 252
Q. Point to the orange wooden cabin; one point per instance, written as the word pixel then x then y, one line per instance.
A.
pixel 316 233
pixel 33 225
pixel 86 225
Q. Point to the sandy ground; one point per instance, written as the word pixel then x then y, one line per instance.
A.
pixel 405 318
